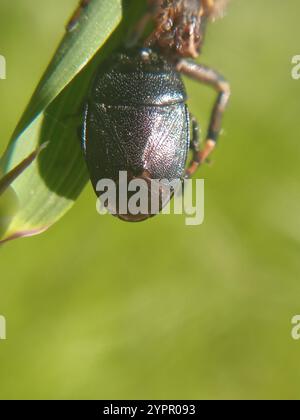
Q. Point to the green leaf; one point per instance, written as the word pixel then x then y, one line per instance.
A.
pixel 11 176
pixel 51 184
pixel 47 189
pixel 95 25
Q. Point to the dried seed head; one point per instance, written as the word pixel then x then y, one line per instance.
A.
pixel 180 24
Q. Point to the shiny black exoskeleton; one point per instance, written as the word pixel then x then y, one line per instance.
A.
pixel 136 120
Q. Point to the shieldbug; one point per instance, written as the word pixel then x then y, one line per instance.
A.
pixel 136 118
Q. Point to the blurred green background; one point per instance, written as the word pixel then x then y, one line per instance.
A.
pixel 97 308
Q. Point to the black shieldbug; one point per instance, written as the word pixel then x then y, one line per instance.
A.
pixel 136 119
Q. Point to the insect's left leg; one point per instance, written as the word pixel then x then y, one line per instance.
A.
pixel 74 19
pixel 210 77
pixel 194 147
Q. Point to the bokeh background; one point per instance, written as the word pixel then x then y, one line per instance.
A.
pixel 97 308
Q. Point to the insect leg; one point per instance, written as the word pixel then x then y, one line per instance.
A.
pixel 195 140
pixel 209 77
pixel 194 147
pixel 74 19
pixel 82 130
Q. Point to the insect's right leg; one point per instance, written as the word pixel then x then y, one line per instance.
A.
pixel 75 17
